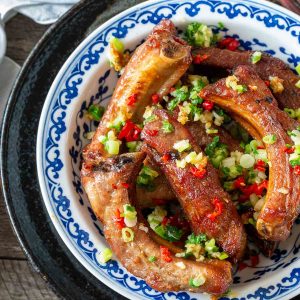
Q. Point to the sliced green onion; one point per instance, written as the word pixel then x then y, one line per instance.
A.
pixel 197 281
pixel 298 69
pixel 132 146
pixel 221 25
pixel 112 147
pixel 298 84
pixel 198 34
pixel 95 112
pixel 269 139
pixel 105 255
pixel 196 239
pixel 167 127
pixel 256 57
pixel 241 88
pixel 247 161
pixel 182 145
pixel 152 258
pixel 127 235
pixel 117 44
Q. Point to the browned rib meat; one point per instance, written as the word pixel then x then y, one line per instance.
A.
pixel 267 66
pixel 134 256
pixel 162 192
pixel 196 195
pixel 256 108
pixel 155 67
pixel 162 189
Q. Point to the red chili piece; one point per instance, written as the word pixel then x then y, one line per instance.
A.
pixel 229 43
pixel 198 58
pixel 125 185
pixel 260 166
pixel 267 82
pixel 242 266
pixel 239 183
pixel 254 260
pixel 198 173
pixel 165 254
pixel 289 150
pixel 119 220
pixel 260 147
pixel 151 132
pixel 155 98
pixel 218 209
pixel 297 170
pixel 208 105
pixel 132 100
pixel 114 186
pixel 255 188
pixel 166 157
pixel 164 221
pixel 130 132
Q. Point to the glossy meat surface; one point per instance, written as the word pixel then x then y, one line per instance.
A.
pixel 164 276
pixel 154 68
pixel 267 66
pixel 196 195
pixel 259 109
pixel 163 192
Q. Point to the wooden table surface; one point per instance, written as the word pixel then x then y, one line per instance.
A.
pixel 17 279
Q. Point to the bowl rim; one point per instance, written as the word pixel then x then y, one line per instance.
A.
pixel 55 85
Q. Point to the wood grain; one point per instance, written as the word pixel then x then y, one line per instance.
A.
pixel 18 281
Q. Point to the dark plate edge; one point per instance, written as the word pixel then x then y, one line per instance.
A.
pixel 7 116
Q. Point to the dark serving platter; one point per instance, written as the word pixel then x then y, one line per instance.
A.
pixel 31 222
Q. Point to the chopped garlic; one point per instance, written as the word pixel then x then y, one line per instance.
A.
pixel 180 163
pixel 276 84
pixel 283 191
pixel 259 204
pixel 148 112
pixel 143 227
pixel 180 265
pixel 184 112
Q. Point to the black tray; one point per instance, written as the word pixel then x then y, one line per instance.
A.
pixel 37 236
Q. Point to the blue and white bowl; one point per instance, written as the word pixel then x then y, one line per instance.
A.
pixel 87 78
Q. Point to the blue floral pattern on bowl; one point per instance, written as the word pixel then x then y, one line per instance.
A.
pixel 85 79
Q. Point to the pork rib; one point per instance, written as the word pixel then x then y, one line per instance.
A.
pixel 196 195
pixel 98 182
pixel 154 68
pixel 266 67
pixel 257 108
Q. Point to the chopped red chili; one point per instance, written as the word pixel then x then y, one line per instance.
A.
pixel 114 186
pixel 164 221
pixel 166 157
pixel 289 150
pixel 155 98
pixel 255 188
pixel 260 147
pixel 239 182
pixel 198 58
pixel 165 254
pixel 119 220
pixel 130 132
pixel 254 260
pixel 125 185
pixel 151 132
pixel 199 173
pixel 267 82
pixel 208 105
pixel 297 170
pixel 217 211
pixel 229 43
pixel 242 266
pixel 260 166
pixel 132 100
